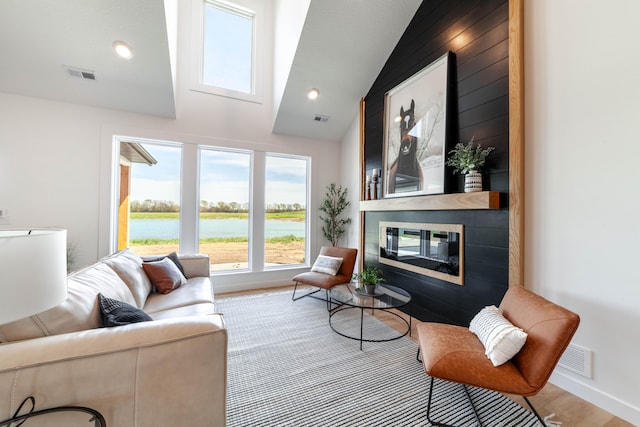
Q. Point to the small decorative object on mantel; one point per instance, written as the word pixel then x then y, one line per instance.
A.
pixel 374 182
pixel 368 189
pixel 468 159
pixel 369 277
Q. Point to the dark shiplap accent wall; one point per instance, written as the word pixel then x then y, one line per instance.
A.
pixel 476 31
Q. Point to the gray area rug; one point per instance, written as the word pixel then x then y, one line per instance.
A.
pixel 286 367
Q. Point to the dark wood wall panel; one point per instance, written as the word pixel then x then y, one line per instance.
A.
pixel 476 31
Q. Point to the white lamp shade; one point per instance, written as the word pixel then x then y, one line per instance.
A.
pixel 33 271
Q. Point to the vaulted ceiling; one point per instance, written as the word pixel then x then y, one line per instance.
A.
pixel 46 44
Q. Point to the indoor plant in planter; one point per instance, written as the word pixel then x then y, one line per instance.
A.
pixel 370 277
pixel 333 205
pixel 468 159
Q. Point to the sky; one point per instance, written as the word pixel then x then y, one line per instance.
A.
pixel 224 176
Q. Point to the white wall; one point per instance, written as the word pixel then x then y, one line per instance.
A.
pixel 53 155
pixel 350 173
pixel 582 72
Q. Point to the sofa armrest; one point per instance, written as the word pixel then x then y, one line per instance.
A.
pixel 196 265
pixel 165 372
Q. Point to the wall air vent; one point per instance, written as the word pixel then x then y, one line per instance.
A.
pixel 320 118
pixel 577 359
pixel 79 73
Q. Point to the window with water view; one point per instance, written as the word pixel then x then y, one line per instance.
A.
pixel 286 214
pixel 151 218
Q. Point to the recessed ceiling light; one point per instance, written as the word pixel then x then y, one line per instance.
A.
pixel 122 49
pixel 313 93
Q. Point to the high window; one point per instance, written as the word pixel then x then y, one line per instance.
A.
pixel 228 48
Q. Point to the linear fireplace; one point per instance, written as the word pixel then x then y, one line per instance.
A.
pixel 435 250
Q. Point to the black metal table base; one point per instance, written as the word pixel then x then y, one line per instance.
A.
pixel 362 309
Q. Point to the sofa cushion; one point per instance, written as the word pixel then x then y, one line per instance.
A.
pixel 197 290
pixel 78 312
pixel 118 313
pixel 164 275
pixel 201 309
pixel 172 256
pixel 129 267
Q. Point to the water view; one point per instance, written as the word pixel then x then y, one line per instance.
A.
pixel 167 229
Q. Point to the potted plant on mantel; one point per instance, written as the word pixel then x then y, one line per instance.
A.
pixel 370 277
pixel 468 159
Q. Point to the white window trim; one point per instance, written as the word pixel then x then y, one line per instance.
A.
pixel 307 231
pixel 197 45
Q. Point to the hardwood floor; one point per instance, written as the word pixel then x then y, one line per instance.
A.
pixel 569 410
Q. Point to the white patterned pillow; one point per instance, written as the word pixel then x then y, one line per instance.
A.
pixel 501 339
pixel 327 265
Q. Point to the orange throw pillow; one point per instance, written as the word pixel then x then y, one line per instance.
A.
pixel 164 275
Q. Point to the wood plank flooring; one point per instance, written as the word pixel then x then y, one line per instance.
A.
pixel 569 410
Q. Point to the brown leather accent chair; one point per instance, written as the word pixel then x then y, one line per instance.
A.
pixel 327 281
pixel 455 354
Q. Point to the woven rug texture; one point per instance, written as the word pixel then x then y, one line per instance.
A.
pixel 286 367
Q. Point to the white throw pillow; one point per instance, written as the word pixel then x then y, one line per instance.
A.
pixel 327 265
pixel 501 339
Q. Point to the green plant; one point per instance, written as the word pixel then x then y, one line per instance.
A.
pixel 371 275
pixel 334 203
pixel 467 157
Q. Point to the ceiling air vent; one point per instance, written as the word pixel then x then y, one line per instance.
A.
pixel 321 118
pixel 79 73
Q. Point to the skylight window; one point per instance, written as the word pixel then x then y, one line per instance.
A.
pixel 227 46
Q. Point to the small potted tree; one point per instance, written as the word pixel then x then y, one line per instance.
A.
pixel 468 159
pixel 334 203
pixel 370 277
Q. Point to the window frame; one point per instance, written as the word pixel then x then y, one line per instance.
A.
pixel 190 202
pixel 307 231
pixel 242 7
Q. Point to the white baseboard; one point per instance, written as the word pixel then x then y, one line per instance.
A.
pixel 603 400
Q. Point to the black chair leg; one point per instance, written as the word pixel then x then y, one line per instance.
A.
pixel 534 411
pixel 294 298
pixel 436 423
pixel 475 412
pixel 311 294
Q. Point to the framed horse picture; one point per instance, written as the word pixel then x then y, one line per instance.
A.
pixel 415 129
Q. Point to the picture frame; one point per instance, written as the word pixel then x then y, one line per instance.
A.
pixel 415 131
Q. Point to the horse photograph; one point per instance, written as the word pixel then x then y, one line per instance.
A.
pixel 415 129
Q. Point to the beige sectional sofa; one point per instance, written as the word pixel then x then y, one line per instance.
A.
pixel 167 372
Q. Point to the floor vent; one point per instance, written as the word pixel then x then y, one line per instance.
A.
pixel 577 359
pixel 79 73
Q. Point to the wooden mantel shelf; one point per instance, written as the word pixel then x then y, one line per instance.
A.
pixel 438 202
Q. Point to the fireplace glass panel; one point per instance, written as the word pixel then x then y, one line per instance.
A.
pixel 423 248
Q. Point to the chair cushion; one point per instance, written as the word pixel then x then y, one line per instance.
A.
pixel 499 337
pixel 455 354
pixel 327 265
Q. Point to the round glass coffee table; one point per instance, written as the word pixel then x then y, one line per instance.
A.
pixel 386 297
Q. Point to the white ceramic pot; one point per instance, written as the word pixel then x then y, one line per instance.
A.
pixel 472 182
